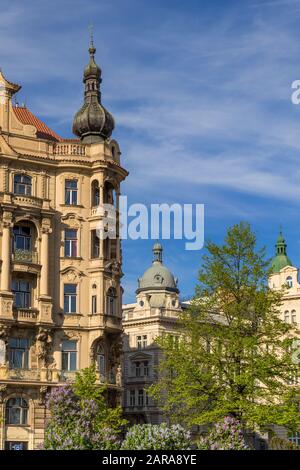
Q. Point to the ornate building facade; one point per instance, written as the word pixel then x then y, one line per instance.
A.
pixel 154 313
pixel 60 293
pixel 284 274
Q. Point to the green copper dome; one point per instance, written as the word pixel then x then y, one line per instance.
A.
pixel 280 260
pixel 158 276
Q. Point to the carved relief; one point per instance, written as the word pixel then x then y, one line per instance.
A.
pixel 46 226
pixel 42 395
pixel 43 345
pixel 4 332
pixel 3 389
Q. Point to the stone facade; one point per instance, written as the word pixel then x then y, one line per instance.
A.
pixel 60 293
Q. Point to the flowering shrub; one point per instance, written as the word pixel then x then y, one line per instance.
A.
pixel 226 435
pixel 80 418
pixel 156 437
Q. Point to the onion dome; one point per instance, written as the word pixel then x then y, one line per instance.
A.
pixel 92 123
pixel 280 260
pixel 158 276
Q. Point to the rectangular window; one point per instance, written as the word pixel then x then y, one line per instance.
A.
pixel 141 397
pixel 22 185
pixel 69 355
pixel 132 398
pixel 70 298
pixel 70 243
pixel 141 341
pixel 146 368
pixel 137 369
pixel 94 304
pixel 71 192
pixel 95 245
pixel 22 238
pixel 22 294
pixel 146 398
pixel 18 353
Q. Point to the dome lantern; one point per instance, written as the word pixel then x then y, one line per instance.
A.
pixel 280 260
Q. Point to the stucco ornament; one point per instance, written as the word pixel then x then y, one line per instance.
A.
pixel 43 344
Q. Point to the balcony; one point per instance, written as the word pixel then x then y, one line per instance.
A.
pixel 73 149
pixel 24 256
pixel 27 201
pixel 112 321
pixel 24 374
pixel 26 314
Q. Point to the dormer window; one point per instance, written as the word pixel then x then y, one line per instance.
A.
pixel 289 282
pixel 23 185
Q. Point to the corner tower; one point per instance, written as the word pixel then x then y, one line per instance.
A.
pixel 60 285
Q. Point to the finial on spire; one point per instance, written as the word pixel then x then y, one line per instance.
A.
pixel 92 49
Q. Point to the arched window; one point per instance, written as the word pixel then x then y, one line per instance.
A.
pixel 111 301
pixel 95 193
pixel 289 281
pixel 17 411
pixel 22 185
pixel 287 316
pixel 100 360
pixel 294 316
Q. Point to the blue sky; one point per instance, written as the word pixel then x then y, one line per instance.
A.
pixel 201 94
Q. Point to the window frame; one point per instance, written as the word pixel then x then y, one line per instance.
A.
pixel 14 351
pixel 70 243
pixel 22 409
pixel 68 354
pixel 24 295
pixel 70 297
pixel 26 184
pixel 71 193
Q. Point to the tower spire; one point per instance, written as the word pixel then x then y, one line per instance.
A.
pixel 92 49
pixel 92 123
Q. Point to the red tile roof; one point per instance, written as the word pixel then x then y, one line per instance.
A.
pixel 43 131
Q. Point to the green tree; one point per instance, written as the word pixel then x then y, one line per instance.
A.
pixel 80 417
pixel 235 353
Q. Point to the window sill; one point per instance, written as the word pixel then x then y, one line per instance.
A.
pixel 71 314
pixel 79 258
pixel 71 205
pixel 18 425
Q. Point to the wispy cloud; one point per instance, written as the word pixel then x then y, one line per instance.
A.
pixel 201 95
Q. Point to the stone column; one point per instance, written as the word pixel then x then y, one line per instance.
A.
pixel 101 212
pixel 6 252
pixel 44 284
pixel 118 231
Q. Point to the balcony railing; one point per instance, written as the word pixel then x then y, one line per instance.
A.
pixel 28 201
pixel 69 149
pixel 30 314
pixel 24 256
pixel 24 374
